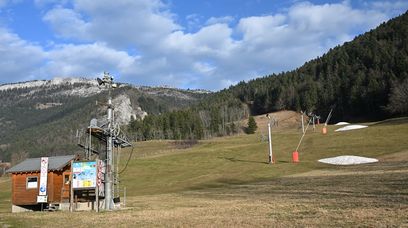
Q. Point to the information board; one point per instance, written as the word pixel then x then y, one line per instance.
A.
pixel 84 174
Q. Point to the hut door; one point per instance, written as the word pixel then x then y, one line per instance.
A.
pixel 66 185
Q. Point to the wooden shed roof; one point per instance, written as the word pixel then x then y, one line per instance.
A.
pixel 33 164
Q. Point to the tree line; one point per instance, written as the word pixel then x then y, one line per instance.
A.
pixel 197 122
pixel 365 79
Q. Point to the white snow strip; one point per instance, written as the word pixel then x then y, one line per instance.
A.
pixel 351 127
pixel 22 85
pixel 53 82
pixel 341 123
pixel 348 160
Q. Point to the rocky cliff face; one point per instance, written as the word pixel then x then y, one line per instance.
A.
pixel 41 117
pixel 124 111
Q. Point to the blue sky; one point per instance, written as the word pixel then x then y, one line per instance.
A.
pixel 208 44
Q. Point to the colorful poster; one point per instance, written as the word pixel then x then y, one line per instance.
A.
pixel 101 178
pixel 43 176
pixel 84 174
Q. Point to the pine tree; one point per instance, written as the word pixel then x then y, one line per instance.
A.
pixel 251 125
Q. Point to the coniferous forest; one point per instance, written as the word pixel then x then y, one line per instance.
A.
pixel 365 79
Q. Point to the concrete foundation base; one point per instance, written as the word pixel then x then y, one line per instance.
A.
pixel 64 206
pixel 18 209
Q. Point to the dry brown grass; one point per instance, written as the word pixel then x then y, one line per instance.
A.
pixel 225 182
pixel 375 196
pixel 284 120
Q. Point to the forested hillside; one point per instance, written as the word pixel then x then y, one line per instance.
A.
pixel 358 77
pixel 41 118
pixel 364 79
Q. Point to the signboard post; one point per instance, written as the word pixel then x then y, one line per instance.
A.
pixel 42 194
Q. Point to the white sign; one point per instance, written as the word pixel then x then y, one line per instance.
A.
pixel 42 199
pixel 43 176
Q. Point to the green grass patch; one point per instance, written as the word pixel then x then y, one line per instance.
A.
pixel 227 182
pixel 158 167
pixel 5 194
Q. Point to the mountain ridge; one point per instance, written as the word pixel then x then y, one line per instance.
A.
pixel 41 117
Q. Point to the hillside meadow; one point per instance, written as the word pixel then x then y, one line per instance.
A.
pixel 228 182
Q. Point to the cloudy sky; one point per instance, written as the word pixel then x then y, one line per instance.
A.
pixel 208 44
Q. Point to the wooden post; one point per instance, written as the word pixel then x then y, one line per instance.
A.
pixel 76 202
pixel 124 196
pixel 314 126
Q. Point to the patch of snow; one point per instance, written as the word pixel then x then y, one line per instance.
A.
pixel 341 123
pixel 72 80
pixel 83 91
pixel 168 92
pixel 351 127
pixel 200 91
pixel 48 83
pixel 348 160
pixel 22 85
pixel 42 106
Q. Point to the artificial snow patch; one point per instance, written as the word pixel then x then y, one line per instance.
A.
pixel 341 123
pixel 351 127
pixel 348 160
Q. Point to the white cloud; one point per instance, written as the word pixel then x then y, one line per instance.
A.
pixel 68 23
pixel 118 23
pixel 19 58
pixel 90 59
pixel 193 21
pixel 204 68
pixel 220 20
pixel 332 19
pixel 218 52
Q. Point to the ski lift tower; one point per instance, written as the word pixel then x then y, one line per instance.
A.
pixel 111 135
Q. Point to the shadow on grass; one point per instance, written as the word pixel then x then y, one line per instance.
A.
pixel 395 121
pixel 226 183
pixel 282 161
pixel 241 160
pixel 382 190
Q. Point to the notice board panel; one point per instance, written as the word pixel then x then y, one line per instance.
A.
pixel 84 174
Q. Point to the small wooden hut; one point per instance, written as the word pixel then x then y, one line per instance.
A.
pixel 25 178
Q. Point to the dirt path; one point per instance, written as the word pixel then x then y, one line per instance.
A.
pixel 280 120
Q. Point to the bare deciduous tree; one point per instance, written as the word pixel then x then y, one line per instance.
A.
pixel 398 101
